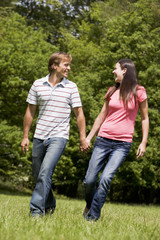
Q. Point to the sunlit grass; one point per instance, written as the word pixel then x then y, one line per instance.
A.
pixel 117 222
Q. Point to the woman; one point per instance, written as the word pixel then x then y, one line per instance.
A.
pixel 115 123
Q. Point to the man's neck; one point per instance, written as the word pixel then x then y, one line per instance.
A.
pixel 53 80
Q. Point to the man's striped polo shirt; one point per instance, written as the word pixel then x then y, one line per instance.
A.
pixel 55 105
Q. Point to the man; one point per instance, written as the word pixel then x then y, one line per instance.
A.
pixel 55 96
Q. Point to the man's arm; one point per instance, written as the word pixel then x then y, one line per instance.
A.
pixel 28 119
pixel 145 128
pixel 98 122
pixel 84 145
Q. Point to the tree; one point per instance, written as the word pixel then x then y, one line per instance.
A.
pixel 97 34
pixel 134 34
pixel 53 15
pixel 7 3
pixel 24 54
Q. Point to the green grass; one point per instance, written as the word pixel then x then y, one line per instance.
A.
pixel 117 222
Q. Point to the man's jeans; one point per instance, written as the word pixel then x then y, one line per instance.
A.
pixel 116 151
pixel 45 156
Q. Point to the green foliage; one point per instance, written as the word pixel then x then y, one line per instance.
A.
pixel 53 16
pixel 65 172
pixel 13 164
pixel 23 56
pixel 7 3
pixel 8 148
pixel 97 34
pixel 132 34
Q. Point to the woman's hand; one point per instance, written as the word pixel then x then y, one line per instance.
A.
pixel 141 150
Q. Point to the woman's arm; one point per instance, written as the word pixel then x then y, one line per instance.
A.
pixel 98 122
pixel 145 128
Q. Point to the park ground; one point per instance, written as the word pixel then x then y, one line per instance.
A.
pixel 117 222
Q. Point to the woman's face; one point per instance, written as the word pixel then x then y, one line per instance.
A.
pixel 118 73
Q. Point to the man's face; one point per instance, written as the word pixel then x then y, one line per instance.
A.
pixel 63 68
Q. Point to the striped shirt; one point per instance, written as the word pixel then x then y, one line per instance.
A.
pixel 55 105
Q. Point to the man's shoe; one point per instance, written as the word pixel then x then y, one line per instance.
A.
pixel 35 214
pixel 91 218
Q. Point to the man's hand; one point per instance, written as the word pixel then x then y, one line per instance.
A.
pixel 141 150
pixel 85 145
pixel 25 145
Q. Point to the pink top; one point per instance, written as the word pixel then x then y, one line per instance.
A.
pixel 119 123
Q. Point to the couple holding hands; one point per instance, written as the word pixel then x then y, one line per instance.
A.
pixel 55 96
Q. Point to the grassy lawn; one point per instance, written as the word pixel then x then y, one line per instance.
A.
pixel 117 222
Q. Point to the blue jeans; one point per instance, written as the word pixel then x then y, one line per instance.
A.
pixel 115 151
pixel 45 156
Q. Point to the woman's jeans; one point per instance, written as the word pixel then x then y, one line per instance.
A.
pixel 116 151
pixel 45 156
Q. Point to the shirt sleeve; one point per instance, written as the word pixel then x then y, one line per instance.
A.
pixel 141 94
pixel 32 95
pixel 75 97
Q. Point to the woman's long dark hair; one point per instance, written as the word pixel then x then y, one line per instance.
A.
pixel 129 83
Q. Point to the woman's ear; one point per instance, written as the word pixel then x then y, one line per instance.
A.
pixel 124 70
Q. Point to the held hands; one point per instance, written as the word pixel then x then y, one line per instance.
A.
pixel 85 145
pixel 25 145
pixel 141 150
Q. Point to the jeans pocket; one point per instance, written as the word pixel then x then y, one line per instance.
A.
pixel 97 142
pixel 126 146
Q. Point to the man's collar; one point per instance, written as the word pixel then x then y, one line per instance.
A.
pixel 63 82
pixel 46 79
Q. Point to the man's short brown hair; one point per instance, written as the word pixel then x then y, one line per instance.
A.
pixel 56 58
